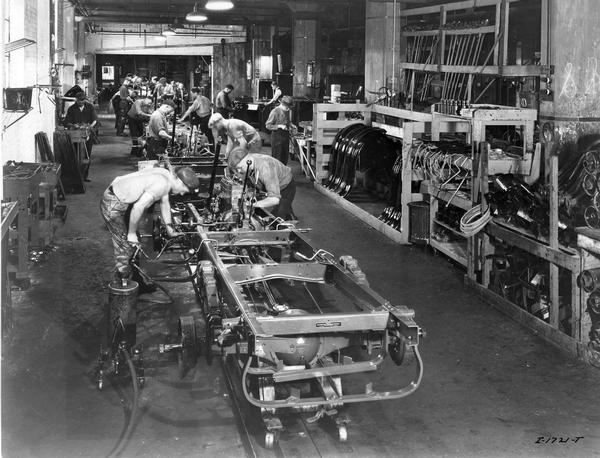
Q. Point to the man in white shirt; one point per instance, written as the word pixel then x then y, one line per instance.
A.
pixel 199 113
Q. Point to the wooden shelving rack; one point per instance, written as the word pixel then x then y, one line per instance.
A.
pixel 441 57
pixel 398 123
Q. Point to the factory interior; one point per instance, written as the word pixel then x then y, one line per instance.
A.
pixel 300 228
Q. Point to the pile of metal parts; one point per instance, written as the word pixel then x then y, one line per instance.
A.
pixel 589 281
pixel 358 147
pixel 188 141
pixel 522 278
pixel 392 213
pixel 578 181
pixel 527 206
pixel 447 163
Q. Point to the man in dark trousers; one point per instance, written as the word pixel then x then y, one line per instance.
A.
pixel 124 104
pixel 82 113
pixel 138 114
pixel 223 102
pixel 280 126
pixel 159 129
pixel 199 113
pixel 267 175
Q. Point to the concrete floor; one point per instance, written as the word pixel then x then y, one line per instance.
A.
pixel 491 388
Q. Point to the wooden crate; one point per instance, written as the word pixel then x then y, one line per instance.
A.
pixel 325 130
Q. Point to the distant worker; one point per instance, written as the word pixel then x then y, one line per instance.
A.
pixel 223 102
pixel 280 125
pixel 158 130
pixel 124 102
pixel 276 94
pixel 238 133
pixel 267 175
pixel 159 89
pixel 199 113
pixel 83 113
pixel 124 202
pixel 138 114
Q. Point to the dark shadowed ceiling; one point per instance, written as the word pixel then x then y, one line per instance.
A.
pixel 261 12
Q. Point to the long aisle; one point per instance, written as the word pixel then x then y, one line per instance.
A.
pixel 491 387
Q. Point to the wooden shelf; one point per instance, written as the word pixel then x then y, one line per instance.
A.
pixel 462 5
pixel 454 230
pixel 454 250
pixel 497 70
pixel 526 241
pixel 447 196
pixel 435 32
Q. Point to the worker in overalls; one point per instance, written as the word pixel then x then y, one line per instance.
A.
pixel 280 125
pixel 269 176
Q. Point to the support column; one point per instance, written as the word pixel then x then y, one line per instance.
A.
pixel 306 35
pixel 574 31
pixel 382 46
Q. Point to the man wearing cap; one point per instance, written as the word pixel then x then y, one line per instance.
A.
pixel 239 134
pixel 158 129
pixel 280 126
pixel 267 175
pixel 82 113
pixel 128 196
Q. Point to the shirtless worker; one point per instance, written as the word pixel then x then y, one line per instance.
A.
pixel 124 202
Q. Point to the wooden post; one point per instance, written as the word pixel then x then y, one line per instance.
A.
pixel 442 37
pixel 554 280
pixel 406 177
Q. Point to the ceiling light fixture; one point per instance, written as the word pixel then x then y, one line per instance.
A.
pixel 195 16
pixel 219 5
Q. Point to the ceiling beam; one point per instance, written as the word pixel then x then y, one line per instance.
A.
pixel 238 20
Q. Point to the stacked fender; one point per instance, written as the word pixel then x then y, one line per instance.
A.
pixel 357 147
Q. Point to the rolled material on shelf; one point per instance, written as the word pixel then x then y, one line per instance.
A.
pixel 593 302
pixel 589 280
pixel 474 220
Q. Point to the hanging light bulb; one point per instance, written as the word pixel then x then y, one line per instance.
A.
pixel 218 5
pixel 195 16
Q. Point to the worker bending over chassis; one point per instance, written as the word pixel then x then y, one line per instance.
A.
pixel 124 202
pixel 266 174
pixel 239 134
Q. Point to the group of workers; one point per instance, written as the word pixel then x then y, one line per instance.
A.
pixel 128 196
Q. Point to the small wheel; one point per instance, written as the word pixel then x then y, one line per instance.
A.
pixel 270 439
pixel 342 433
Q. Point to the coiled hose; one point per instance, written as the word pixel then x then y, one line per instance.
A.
pixel 474 220
pixel 120 445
